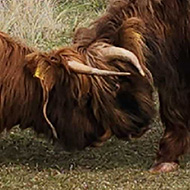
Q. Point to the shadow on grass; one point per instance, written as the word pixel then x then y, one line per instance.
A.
pixel 22 147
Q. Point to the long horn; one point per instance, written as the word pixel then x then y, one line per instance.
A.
pixel 112 52
pixel 84 69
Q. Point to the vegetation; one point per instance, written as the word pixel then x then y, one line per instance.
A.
pixel 31 163
pixel 48 23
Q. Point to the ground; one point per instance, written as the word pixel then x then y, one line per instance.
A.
pixel 28 162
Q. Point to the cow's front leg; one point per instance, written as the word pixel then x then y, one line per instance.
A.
pixel 176 139
pixel 174 144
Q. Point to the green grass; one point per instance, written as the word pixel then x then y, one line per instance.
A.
pixel 28 162
pixel 31 163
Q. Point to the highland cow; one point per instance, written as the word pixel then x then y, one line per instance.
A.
pixel 157 32
pixel 56 93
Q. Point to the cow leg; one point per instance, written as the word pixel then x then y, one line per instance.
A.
pixel 174 143
pixel 176 138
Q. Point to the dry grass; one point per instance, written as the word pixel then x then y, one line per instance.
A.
pixel 46 23
pixel 30 163
pixel 33 20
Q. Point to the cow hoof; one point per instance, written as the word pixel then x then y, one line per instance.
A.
pixel 164 167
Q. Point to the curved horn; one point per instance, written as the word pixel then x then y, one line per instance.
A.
pixel 112 52
pixel 84 69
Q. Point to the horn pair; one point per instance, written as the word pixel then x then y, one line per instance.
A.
pixel 109 52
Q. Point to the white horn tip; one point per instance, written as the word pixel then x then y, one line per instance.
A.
pixel 142 73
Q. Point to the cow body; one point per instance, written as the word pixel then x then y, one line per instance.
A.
pixel 42 91
pixel 27 75
pixel 16 95
pixel 157 31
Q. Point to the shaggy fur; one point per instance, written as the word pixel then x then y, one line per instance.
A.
pixel 74 97
pixel 38 90
pixel 157 31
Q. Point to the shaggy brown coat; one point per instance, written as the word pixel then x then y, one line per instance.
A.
pixel 39 90
pixel 157 31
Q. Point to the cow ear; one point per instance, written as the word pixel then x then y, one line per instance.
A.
pixel 40 66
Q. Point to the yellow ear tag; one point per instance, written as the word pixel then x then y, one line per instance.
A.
pixel 137 35
pixel 39 74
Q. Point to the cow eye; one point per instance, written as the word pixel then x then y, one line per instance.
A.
pixel 55 59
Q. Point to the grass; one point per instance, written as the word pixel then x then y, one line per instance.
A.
pixel 31 163
pixel 46 23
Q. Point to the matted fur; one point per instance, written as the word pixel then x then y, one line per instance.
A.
pixel 81 108
pixel 157 31
pixel 75 100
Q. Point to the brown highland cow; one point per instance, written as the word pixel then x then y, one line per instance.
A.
pixel 59 95
pixel 158 33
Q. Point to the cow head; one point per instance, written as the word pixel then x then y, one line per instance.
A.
pixel 73 96
pixel 134 98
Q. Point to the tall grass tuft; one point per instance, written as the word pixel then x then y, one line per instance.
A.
pixel 44 23
pixel 34 20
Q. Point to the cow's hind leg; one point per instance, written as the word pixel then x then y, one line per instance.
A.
pixel 175 142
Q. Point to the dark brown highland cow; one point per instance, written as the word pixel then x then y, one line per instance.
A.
pixel 57 94
pixel 158 33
